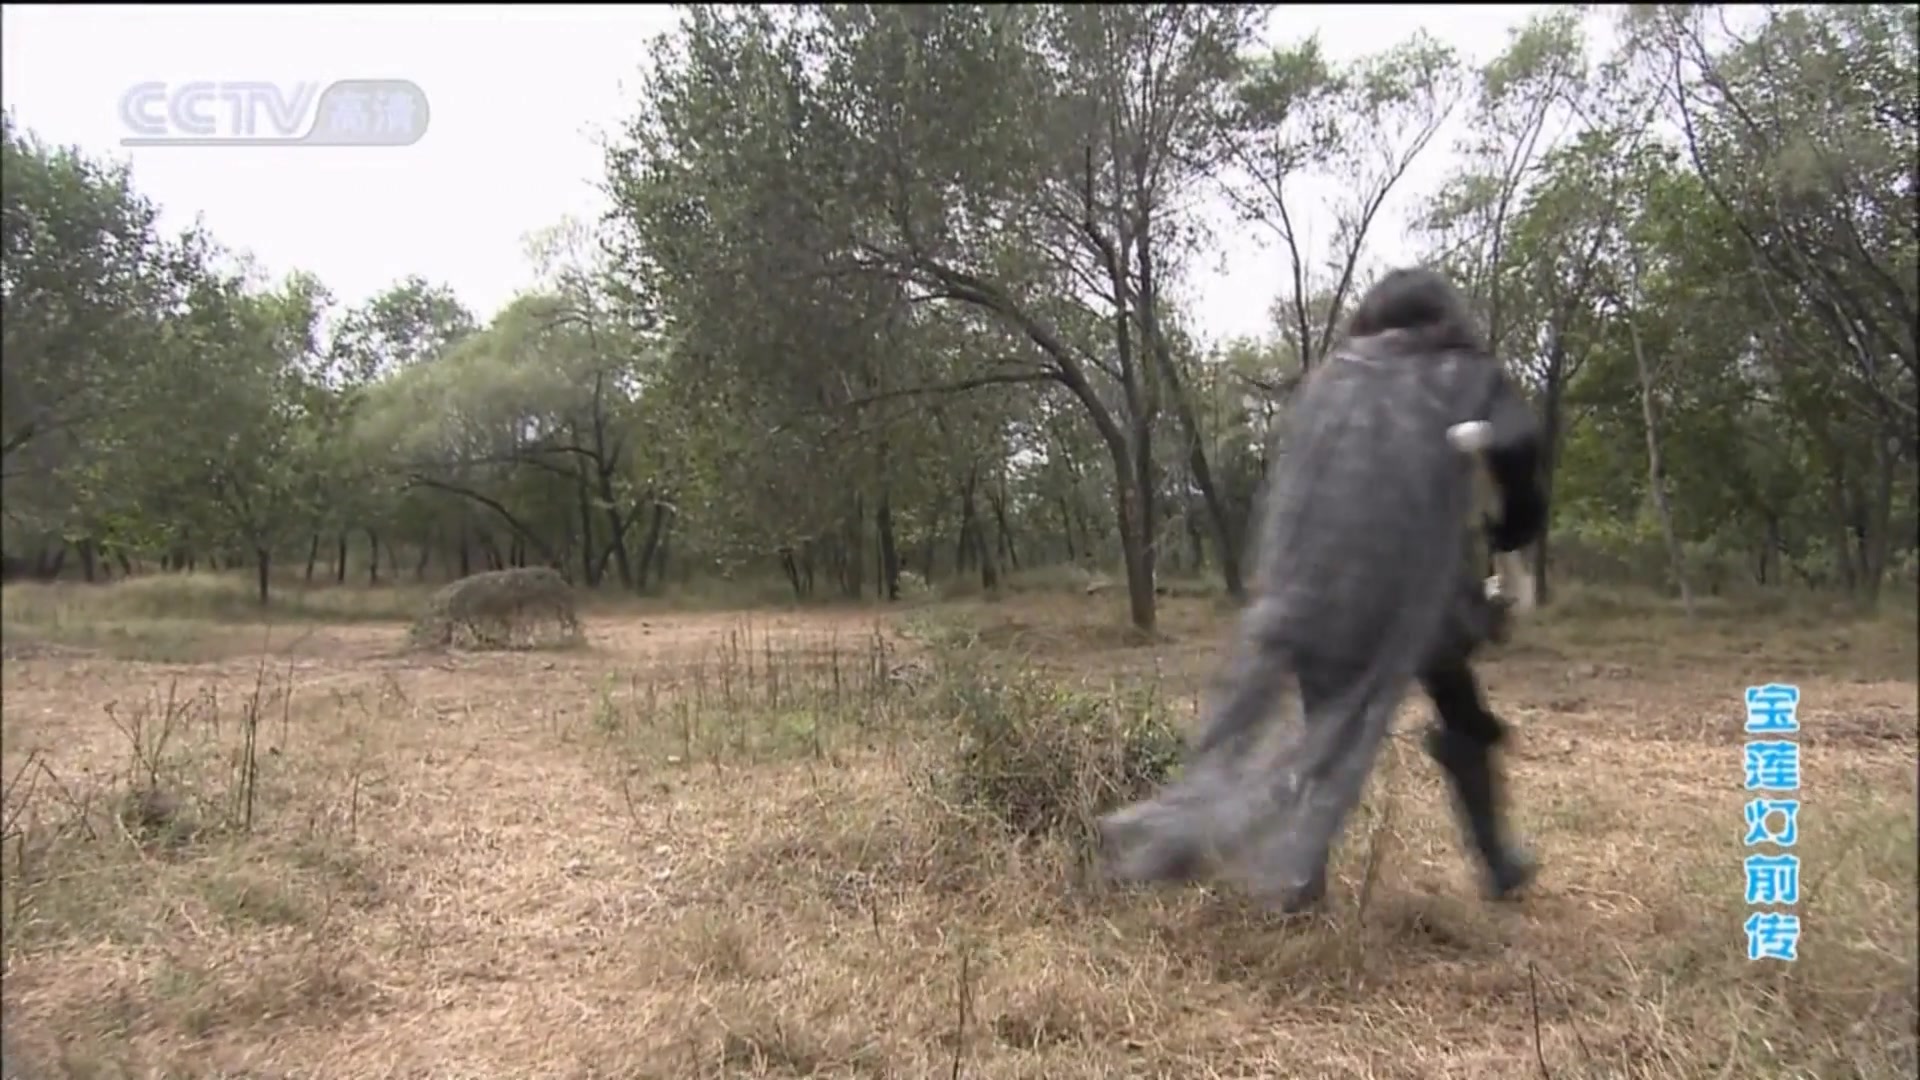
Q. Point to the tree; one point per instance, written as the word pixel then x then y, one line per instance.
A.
pixel 1803 133
pixel 889 287
pixel 85 281
pixel 947 156
pixel 1363 127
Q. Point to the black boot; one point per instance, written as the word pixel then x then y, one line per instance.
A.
pixel 1477 800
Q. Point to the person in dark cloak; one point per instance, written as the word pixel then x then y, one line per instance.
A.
pixel 1363 587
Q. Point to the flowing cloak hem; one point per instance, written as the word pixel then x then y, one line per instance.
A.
pixel 1271 824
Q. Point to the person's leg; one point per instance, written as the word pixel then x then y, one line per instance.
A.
pixel 1471 620
pixel 1463 743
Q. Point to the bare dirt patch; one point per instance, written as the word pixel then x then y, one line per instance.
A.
pixel 713 845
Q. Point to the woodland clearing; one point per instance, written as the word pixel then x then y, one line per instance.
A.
pixel 718 844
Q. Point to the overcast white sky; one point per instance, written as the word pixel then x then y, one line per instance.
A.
pixel 518 95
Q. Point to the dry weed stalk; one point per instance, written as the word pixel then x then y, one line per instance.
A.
pixel 751 698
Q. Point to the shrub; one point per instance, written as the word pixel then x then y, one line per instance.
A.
pixel 912 586
pixel 1042 759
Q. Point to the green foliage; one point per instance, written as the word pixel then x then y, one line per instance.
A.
pixel 84 281
pixel 889 294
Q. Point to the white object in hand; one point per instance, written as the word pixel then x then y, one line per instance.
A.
pixel 1513 581
pixel 1471 437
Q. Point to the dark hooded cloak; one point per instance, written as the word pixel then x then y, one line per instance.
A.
pixel 1359 570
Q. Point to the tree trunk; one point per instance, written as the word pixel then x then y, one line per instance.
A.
pixel 1196 547
pixel 999 501
pixel 889 549
pixel 654 546
pixel 931 544
pixel 589 565
pixel 989 571
pixel 1876 543
pixel 1137 513
pixel 1225 542
pixel 1549 464
pixel 491 549
pixel 313 557
pixel 791 569
pixel 1134 554
pixel 1837 515
pixel 88 567
pixel 963 544
pixel 854 581
pixel 617 526
pixel 373 557
pixel 263 559
pixel 1093 543
pixel 1771 551
pixel 340 560
pixel 1656 477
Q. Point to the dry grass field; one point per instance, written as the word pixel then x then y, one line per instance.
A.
pixel 747 844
